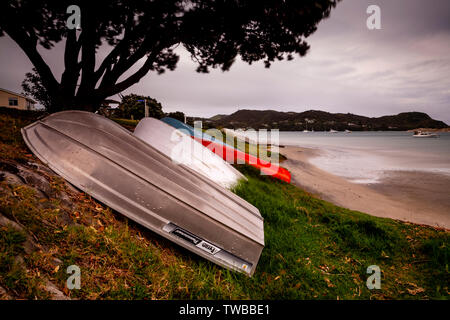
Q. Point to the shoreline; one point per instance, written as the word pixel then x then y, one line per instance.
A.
pixel 411 196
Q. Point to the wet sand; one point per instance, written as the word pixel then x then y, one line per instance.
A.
pixel 417 197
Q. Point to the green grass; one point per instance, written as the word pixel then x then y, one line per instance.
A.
pixel 13 275
pixel 127 123
pixel 326 249
pixel 313 250
pixel 261 151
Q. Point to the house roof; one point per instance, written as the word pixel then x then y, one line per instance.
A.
pixel 17 94
pixel 110 101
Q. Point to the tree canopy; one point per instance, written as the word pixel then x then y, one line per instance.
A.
pixel 132 105
pixel 32 86
pixel 180 116
pixel 214 32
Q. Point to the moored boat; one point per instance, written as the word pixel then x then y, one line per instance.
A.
pixel 423 134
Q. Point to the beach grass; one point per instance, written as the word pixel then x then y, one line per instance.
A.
pixel 313 249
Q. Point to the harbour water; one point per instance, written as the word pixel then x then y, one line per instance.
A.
pixel 364 157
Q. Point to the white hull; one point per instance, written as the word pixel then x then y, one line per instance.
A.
pixel 426 136
pixel 182 149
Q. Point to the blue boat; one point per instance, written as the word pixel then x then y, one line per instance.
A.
pixel 191 131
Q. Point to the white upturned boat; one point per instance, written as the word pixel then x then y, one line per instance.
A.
pixel 179 146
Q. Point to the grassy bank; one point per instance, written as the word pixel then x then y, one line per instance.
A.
pixel 314 250
pixel 126 123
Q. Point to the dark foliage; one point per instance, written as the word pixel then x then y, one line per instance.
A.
pixel 176 115
pixel 132 106
pixel 324 121
pixel 32 86
pixel 214 32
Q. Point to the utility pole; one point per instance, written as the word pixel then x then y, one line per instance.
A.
pixel 145 107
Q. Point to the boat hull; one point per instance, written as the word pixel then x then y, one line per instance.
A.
pixel 178 145
pixel 426 136
pixel 106 161
pixel 231 154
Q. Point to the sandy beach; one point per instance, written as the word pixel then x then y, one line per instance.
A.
pixel 417 197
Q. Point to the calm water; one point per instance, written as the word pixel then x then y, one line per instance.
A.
pixel 363 157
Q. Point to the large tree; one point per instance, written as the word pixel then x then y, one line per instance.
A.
pixel 132 105
pixel 215 32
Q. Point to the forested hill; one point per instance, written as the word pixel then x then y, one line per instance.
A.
pixel 323 121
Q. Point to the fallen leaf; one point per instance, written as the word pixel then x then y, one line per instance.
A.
pixel 415 291
pixel 329 284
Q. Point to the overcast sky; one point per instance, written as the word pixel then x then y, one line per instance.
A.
pixel 405 66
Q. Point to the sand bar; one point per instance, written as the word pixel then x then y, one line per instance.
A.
pixel 417 197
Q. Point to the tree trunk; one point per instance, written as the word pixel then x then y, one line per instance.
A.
pixel 66 101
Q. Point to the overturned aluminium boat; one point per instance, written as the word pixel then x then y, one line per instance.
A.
pixel 106 161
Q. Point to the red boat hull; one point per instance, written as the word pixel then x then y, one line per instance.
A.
pixel 233 155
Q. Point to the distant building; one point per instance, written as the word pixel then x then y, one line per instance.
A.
pixel 106 109
pixel 9 99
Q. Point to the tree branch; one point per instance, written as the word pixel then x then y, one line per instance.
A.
pixel 72 67
pixel 112 75
pixel 88 50
pixel 118 50
pixel 29 46
pixel 109 60
pixel 135 78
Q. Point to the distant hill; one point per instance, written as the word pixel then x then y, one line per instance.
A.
pixel 323 121
pixel 218 117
